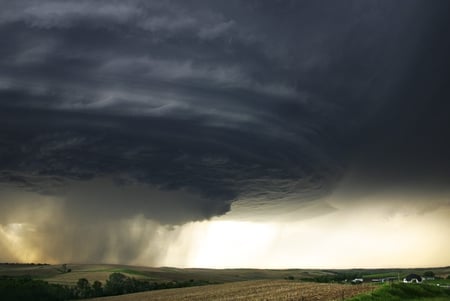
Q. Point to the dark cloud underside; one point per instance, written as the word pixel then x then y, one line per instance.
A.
pixel 198 104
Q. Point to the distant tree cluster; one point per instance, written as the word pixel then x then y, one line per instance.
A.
pixel 118 284
pixel 25 288
pixel 337 277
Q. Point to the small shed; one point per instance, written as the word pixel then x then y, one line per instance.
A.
pixel 412 278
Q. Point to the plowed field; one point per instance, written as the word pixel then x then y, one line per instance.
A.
pixel 260 290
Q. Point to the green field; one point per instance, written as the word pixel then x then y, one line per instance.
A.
pixel 403 291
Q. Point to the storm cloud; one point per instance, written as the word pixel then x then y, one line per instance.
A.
pixel 173 111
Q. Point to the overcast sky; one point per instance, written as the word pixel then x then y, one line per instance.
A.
pixel 149 129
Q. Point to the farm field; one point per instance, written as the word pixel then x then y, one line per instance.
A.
pixel 101 272
pixel 166 283
pixel 264 290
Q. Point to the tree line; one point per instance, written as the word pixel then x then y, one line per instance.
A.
pixel 26 288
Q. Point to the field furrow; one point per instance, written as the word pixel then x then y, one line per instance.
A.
pixel 260 290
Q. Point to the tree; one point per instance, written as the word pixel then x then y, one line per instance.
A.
pixel 84 288
pixel 428 274
pixel 115 284
pixel 97 289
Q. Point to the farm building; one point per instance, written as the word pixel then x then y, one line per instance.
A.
pixel 357 281
pixel 412 278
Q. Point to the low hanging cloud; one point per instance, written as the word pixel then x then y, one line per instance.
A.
pixel 161 113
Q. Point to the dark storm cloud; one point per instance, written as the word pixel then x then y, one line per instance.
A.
pixel 217 102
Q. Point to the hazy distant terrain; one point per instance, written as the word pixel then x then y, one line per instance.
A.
pixel 100 272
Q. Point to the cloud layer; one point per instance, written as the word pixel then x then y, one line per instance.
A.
pixel 178 112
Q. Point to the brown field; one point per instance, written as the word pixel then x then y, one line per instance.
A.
pixel 263 290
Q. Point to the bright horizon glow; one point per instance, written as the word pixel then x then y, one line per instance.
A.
pixel 230 243
pixel 365 234
pixel 359 238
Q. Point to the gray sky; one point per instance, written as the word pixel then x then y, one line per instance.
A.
pixel 169 116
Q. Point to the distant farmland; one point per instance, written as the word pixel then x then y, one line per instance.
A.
pixel 259 290
pixel 100 272
pixel 167 283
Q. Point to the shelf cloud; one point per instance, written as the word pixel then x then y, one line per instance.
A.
pixel 158 114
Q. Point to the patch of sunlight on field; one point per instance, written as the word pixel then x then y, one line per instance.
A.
pixel 259 290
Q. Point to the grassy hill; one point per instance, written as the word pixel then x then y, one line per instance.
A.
pixel 411 292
